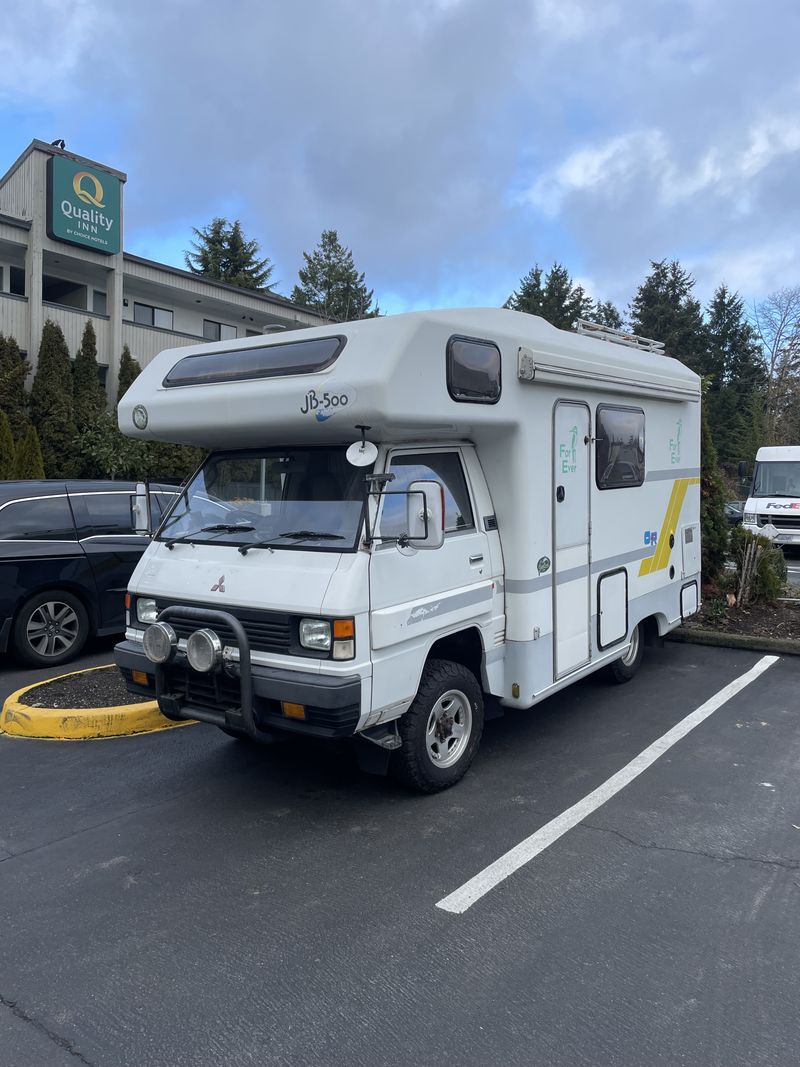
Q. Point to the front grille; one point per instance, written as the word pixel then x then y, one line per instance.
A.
pixel 267 631
pixel 780 520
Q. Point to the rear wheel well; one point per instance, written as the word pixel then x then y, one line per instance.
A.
pixel 464 647
pixel 650 631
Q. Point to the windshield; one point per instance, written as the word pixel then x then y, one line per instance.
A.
pixel 309 498
pixel 777 479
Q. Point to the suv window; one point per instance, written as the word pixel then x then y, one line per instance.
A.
pixel 46 518
pixel 444 467
pixel 107 513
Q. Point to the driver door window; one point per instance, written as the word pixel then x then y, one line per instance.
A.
pixel 444 467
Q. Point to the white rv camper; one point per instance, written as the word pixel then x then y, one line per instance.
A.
pixel 773 507
pixel 408 521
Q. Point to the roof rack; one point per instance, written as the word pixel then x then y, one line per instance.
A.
pixel 619 337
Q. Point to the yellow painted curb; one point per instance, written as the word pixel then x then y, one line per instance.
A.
pixel 81 724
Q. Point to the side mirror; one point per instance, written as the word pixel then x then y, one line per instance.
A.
pixel 743 469
pixel 425 514
pixel 140 510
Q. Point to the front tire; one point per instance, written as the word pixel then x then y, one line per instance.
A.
pixel 623 669
pixel 441 731
pixel 50 628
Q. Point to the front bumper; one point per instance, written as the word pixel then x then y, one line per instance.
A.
pixel 332 703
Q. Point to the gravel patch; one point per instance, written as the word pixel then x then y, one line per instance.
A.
pixel 103 688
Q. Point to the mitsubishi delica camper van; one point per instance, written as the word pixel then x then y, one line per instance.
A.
pixel 407 523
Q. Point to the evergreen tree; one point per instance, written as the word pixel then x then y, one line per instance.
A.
pixel 51 404
pixel 89 395
pixel 6 449
pixel 713 525
pixel 223 253
pixel 129 371
pixel 13 399
pixel 556 299
pixel 606 314
pixel 331 285
pixel 28 462
pixel 735 377
pixel 665 310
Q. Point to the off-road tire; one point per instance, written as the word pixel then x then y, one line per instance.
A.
pixel 623 669
pixel 78 631
pixel 411 764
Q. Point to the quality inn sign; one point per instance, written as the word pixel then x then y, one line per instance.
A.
pixel 83 205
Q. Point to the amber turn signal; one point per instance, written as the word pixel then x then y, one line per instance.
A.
pixel 140 677
pixel 293 711
pixel 343 628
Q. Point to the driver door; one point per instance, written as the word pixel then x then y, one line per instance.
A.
pixel 418 594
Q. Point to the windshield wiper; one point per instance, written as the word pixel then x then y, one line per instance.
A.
pixel 295 535
pixel 217 527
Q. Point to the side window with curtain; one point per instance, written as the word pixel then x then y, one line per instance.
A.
pixel 444 467
pixel 619 447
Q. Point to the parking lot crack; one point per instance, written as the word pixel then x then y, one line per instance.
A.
pixel 719 857
pixel 57 1039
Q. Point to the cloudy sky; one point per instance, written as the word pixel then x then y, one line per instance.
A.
pixel 452 143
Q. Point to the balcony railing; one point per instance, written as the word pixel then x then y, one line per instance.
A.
pixel 145 342
pixel 14 318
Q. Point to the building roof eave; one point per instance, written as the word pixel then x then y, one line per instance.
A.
pixel 42 146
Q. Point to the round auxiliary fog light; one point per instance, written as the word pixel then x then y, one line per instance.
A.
pixel 204 651
pixel 159 642
pixel 140 417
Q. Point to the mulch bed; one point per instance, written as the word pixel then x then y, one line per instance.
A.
pixel 781 621
pixel 98 689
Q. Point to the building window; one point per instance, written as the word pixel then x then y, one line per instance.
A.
pixel 16 281
pixel 99 303
pixel 619 451
pixel 60 291
pixel 147 315
pixel 218 331
pixel 102 374
pixel 473 371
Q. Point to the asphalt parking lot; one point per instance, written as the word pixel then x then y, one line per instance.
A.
pixel 185 899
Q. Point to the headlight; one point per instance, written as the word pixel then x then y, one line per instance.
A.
pixel 146 610
pixel 750 518
pixel 159 642
pixel 204 651
pixel 315 633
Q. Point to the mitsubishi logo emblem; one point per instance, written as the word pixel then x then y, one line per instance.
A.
pixel 220 585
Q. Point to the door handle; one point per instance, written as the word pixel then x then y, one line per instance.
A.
pixel 560 494
pixel 476 559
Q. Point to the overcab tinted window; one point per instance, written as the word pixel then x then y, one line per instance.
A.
pixel 267 361
pixel 619 451
pixel 473 371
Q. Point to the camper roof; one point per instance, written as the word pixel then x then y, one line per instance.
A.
pixel 387 373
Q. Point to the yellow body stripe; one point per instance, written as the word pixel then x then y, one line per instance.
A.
pixel 660 558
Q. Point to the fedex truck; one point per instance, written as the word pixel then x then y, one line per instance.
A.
pixel 407 524
pixel 773 507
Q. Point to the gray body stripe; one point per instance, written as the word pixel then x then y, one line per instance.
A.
pixel 450 603
pixel 532 585
pixel 675 472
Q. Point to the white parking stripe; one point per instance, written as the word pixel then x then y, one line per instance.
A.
pixel 466 895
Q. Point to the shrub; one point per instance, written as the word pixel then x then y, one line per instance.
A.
pixel 51 405
pixel 6 449
pixel 760 568
pixel 28 459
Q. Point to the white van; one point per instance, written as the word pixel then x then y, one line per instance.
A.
pixel 406 523
pixel 773 507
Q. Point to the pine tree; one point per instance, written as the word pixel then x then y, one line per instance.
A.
pixel 713 525
pixel 556 299
pixel 89 395
pixel 13 398
pixel 28 462
pixel 6 449
pixel 129 371
pixel 665 310
pixel 223 253
pixel 606 314
pixel 331 285
pixel 51 405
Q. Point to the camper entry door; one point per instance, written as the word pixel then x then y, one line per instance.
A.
pixel 571 550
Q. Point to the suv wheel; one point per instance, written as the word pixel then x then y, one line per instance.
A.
pixel 50 628
pixel 442 729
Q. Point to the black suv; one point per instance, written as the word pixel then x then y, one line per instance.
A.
pixel 67 550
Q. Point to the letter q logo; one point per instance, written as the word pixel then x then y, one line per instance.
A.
pixel 79 183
